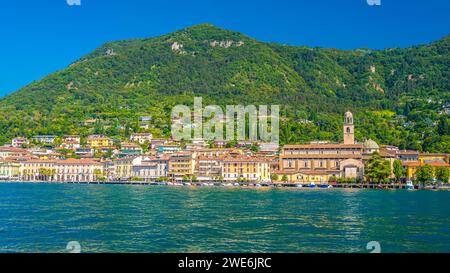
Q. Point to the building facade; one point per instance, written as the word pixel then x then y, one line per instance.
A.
pixel 246 168
pixel 339 159
pixel 141 138
pixel 152 168
pixel 99 142
pixel 181 164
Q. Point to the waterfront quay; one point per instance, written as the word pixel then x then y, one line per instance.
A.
pixel 394 186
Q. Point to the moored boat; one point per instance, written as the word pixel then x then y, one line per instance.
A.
pixel 410 185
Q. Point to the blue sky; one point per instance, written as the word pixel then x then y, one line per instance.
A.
pixel 38 37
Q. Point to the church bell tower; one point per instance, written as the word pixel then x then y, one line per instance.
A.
pixel 349 129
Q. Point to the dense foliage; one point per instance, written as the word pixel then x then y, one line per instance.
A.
pixel 397 95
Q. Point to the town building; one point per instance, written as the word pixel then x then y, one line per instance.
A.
pixel 181 164
pixel 45 139
pixel 156 142
pixel 9 169
pixel 341 159
pixel 71 142
pixel 246 168
pixel 77 170
pixel 370 147
pixel 67 170
pixel 152 168
pixel 304 176
pixel 123 167
pixel 196 144
pixel 217 152
pixel 37 170
pixel 99 141
pixel 349 129
pixel 433 157
pixel 411 167
pixel 408 156
pixel 85 152
pixel 130 149
pixel 269 147
pixel 141 138
pixel 168 149
pixel 7 152
pixel 209 168
pixel 19 142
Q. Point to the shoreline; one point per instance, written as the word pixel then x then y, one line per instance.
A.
pixel 241 185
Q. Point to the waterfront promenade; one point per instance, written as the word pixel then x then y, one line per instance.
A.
pixel 367 186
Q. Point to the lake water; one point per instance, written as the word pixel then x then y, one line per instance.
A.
pixel 116 218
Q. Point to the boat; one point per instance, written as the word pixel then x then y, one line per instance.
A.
pixel 325 186
pixel 258 185
pixel 410 185
pixel 299 186
pixel 312 185
pixel 236 184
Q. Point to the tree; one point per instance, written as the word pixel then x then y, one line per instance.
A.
pixel 254 148
pixel 332 179
pixel 378 169
pixel 274 177
pixel 284 178
pixel 232 144
pixel 424 174
pixel 442 174
pixel 399 171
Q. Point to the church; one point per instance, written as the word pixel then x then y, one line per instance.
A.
pixel 318 161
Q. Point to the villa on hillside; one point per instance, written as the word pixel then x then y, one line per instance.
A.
pixel 141 138
pixel 19 142
pixel 46 139
pixel 99 141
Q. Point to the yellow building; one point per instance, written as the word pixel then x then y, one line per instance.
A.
pixel 247 168
pixel 33 170
pixel 181 164
pixel 99 142
pixel 426 158
pixel 303 177
pixel 411 167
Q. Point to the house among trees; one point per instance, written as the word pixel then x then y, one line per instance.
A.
pixel 19 142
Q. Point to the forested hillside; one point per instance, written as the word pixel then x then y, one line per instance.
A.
pixel 398 96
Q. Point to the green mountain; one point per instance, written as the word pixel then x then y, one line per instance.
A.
pixel 397 94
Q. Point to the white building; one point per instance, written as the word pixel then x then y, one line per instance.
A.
pixel 152 168
pixel 141 138
pixel 47 139
pixel 19 142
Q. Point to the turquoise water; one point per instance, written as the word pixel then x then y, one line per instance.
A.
pixel 116 218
